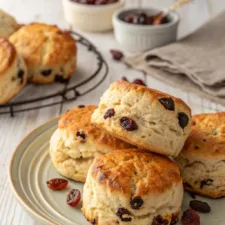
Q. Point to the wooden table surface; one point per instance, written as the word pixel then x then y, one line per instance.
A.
pixel 50 11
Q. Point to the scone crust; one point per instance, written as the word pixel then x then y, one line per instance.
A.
pixel 76 143
pixel 45 47
pixel 118 177
pixel 202 160
pixel 207 138
pixel 7 55
pixel 154 121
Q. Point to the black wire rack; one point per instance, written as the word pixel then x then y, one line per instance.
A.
pixel 102 70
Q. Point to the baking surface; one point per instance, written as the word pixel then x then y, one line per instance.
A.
pixel 12 130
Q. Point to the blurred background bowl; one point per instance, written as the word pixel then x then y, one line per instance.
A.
pixel 93 18
pixel 138 38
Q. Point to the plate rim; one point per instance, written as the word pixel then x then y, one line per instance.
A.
pixel 10 179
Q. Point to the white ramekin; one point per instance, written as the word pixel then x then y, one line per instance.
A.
pixel 138 38
pixel 94 18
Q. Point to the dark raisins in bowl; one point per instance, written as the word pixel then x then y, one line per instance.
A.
pixel 141 19
pixel 109 113
pixel 200 206
pixel 128 124
pixel 158 220
pixel 168 103
pixel 46 73
pixel 136 203
pixel 190 217
pixel 183 120
pixel 124 215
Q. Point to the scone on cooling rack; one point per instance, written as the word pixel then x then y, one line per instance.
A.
pixel 134 187
pixel 8 24
pixel 49 52
pixel 76 143
pixel 144 117
pixel 202 160
pixel 13 71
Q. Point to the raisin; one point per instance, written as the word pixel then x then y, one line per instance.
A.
pixel 57 184
pixel 73 198
pixel 136 203
pixel 141 19
pixel 139 81
pixel 93 222
pixel 109 113
pixel 204 139
pixel 81 106
pixel 183 120
pixel 124 78
pixel 61 79
pixel 196 147
pixel 158 220
pixel 200 206
pixel 46 73
pixel 20 75
pixel 124 215
pixel 128 124
pixel 81 135
pixel 174 219
pixel 128 19
pixel 117 55
pixel 206 182
pixel 190 217
pixel 168 103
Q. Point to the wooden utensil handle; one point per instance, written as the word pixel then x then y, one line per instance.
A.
pixel 177 4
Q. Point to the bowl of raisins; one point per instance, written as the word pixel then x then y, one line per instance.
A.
pixel 91 15
pixel 136 30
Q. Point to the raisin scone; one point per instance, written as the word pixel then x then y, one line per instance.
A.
pixel 13 71
pixel 144 117
pixel 49 52
pixel 8 24
pixel 202 160
pixel 76 143
pixel 132 187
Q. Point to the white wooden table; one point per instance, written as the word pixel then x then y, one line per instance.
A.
pixel 50 11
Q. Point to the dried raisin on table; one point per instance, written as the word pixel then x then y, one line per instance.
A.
pixel 57 184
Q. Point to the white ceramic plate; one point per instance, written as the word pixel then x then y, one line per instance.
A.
pixel 30 168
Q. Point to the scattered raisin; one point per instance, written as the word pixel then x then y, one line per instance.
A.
pixel 109 113
pixel 206 182
pixel 183 119
pixel 61 79
pixel 158 220
pixel 204 139
pixel 73 198
pixel 81 135
pixel 196 147
pixel 139 81
pixel 136 203
pixel 124 215
pixel 46 73
pixel 81 106
pixel 200 206
pixel 190 217
pixel 168 103
pixel 128 124
pixel 57 184
pixel 117 55
pixel 124 78
pixel 20 75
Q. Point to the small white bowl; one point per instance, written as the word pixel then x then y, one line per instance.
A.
pixel 94 18
pixel 138 38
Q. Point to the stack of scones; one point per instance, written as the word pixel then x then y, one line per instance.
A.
pixel 134 152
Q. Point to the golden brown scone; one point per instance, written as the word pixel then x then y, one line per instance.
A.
pixel 202 160
pixel 144 117
pixel 76 143
pixel 8 24
pixel 49 52
pixel 132 187
pixel 13 71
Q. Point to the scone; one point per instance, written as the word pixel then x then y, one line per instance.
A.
pixel 50 53
pixel 144 117
pixel 13 71
pixel 76 143
pixel 8 24
pixel 202 160
pixel 132 187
